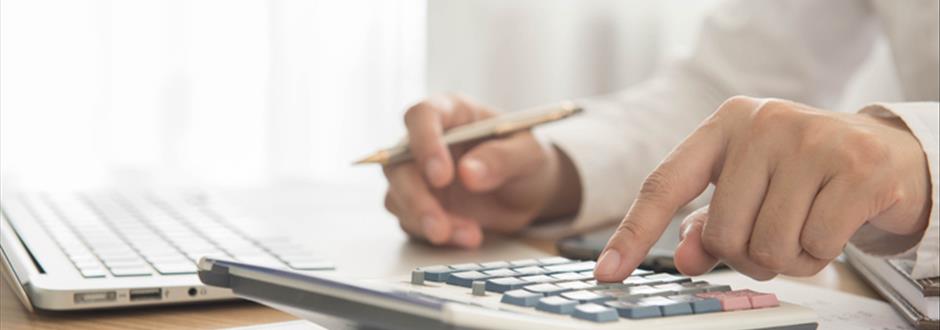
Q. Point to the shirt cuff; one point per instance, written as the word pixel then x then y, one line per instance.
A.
pixel 923 120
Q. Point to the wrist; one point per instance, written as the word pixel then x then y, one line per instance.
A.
pixel 564 198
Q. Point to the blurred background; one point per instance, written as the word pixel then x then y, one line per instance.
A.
pixel 242 92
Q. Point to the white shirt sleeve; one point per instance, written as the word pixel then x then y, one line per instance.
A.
pixel 795 50
pixel 923 119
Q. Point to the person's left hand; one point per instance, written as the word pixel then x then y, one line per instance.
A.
pixel 792 185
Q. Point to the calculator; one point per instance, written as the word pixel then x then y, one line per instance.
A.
pixel 538 293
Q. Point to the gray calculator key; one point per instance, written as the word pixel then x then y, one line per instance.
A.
pixel 556 304
pixel 521 297
pixel 465 279
pixel 699 305
pixel 572 276
pixel 668 278
pixel 547 289
pixel 718 288
pixel 523 263
pixel 503 284
pixel 585 296
pixel 539 279
pixel 467 266
pixel 575 267
pixel 639 280
pixel 595 312
pixel 494 264
pixel 553 260
pixel 574 285
pixel 668 306
pixel 632 310
pixel 500 272
pixel 436 273
pixel 529 270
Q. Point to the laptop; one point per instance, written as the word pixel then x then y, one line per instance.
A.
pixel 111 248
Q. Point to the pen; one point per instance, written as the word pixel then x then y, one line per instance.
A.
pixel 488 128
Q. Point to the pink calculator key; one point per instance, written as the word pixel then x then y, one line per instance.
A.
pixel 761 300
pixel 730 301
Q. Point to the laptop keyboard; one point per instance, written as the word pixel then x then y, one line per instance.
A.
pixel 126 235
pixel 558 285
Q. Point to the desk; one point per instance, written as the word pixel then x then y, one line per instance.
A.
pixel 333 228
pixel 837 276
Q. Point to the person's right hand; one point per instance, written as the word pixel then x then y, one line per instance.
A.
pixel 448 196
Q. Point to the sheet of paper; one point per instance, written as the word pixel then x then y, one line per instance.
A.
pixel 289 325
pixel 836 310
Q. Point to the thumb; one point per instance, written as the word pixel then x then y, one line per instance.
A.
pixel 691 258
pixel 492 163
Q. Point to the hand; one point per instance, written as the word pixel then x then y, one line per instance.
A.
pixel 448 195
pixel 792 185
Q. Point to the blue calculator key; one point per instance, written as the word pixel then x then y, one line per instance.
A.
pixel 585 296
pixel 436 273
pixel 520 297
pixel 668 306
pixel 465 279
pixel 556 304
pixel 699 305
pixel 575 285
pixel 574 267
pixel 553 260
pixel 503 284
pixel 467 266
pixel 547 289
pixel 595 312
pixel 632 310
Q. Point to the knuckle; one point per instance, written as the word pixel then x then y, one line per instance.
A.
pixel 719 245
pixel 818 248
pixel 732 107
pixel 770 114
pixel 863 152
pixel 634 231
pixel 768 259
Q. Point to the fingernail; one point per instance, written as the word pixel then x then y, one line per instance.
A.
pixel 431 229
pixel 464 237
pixel 435 170
pixel 608 263
pixel 475 166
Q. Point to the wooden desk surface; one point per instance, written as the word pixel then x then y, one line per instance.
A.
pixel 13 315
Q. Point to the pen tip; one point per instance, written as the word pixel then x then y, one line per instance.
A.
pixel 378 157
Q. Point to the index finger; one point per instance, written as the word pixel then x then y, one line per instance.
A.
pixel 681 177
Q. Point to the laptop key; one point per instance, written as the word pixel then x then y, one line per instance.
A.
pixel 175 269
pixel 93 272
pixel 312 265
pixel 132 271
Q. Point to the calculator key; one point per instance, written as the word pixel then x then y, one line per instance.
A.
pixel 699 305
pixel 641 272
pixel 574 267
pixel 639 280
pixel 667 278
pixel 553 260
pixel 530 270
pixel 500 272
pixel 436 273
pixel 667 306
pixel 632 310
pixel 467 266
pixel 465 279
pixel 523 263
pixel 556 304
pixel 574 285
pixel 729 302
pixel 539 279
pixel 547 289
pixel 521 297
pixel 572 276
pixel 585 296
pixel 503 284
pixel 718 288
pixel 595 312
pixel 494 264
pixel 757 299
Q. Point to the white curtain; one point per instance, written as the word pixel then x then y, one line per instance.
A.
pixel 223 91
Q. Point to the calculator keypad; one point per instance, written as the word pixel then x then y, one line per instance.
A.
pixel 558 285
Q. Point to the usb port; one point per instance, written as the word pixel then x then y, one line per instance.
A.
pixel 146 294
